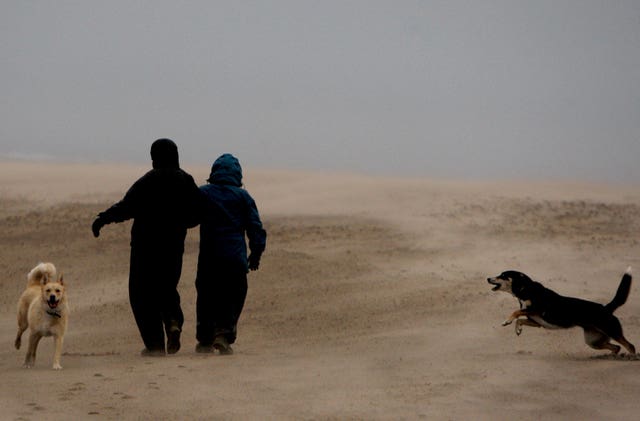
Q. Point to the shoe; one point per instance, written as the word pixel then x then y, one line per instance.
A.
pixel 173 340
pixel 204 348
pixel 222 345
pixel 152 353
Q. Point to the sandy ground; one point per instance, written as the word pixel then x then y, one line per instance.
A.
pixel 371 302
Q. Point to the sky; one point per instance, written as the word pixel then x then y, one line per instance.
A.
pixel 544 89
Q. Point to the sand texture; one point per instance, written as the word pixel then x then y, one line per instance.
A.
pixel 371 302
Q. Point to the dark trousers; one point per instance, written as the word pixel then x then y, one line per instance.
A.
pixel 155 301
pixel 221 295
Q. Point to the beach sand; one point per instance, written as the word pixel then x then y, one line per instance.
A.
pixel 371 302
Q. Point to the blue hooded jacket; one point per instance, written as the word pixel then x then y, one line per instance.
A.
pixel 230 214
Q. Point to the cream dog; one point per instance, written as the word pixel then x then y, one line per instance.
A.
pixel 42 308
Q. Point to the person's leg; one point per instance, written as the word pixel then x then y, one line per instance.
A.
pixel 232 290
pixel 237 297
pixel 172 315
pixel 206 304
pixel 145 309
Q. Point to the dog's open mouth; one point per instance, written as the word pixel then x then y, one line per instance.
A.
pixel 53 303
pixel 496 285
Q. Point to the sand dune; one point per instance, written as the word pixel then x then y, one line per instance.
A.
pixel 371 302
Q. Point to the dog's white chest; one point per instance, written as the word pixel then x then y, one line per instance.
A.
pixel 525 303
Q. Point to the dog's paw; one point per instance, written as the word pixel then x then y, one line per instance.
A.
pixel 57 366
pixel 507 322
pixel 518 328
pixel 27 365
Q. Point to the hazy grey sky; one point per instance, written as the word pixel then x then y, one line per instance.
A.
pixel 524 89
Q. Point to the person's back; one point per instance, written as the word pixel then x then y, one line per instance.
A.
pixel 230 213
pixel 162 207
pixel 162 202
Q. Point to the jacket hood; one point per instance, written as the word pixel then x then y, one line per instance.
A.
pixel 164 154
pixel 226 170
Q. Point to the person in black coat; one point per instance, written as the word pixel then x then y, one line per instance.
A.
pixel 229 214
pixel 163 204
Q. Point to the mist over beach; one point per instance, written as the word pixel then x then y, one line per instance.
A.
pixel 399 154
pixel 540 90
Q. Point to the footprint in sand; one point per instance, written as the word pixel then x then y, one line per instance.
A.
pixel 123 395
pixel 35 406
pixel 76 387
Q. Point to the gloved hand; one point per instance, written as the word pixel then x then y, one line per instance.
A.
pixel 254 262
pixel 97 225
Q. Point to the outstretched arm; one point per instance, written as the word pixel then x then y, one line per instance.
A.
pixel 121 211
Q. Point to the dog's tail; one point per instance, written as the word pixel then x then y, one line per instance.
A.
pixel 622 293
pixel 40 272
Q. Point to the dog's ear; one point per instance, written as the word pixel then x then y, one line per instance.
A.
pixel 519 283
pixel 45 279
pixel 517 287
pixel 61 279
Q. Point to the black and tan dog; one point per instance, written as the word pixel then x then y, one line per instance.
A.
pixel 542 307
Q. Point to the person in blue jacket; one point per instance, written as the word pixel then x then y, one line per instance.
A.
pixel 230 214
pixel 163 203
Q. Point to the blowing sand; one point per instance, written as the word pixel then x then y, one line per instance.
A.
pixel 371 302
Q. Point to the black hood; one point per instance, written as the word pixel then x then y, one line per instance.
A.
pixel 164 154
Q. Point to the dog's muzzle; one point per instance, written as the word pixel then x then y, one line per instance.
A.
pixel 53 302
pixel 495 283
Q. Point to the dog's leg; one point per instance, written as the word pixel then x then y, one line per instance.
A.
pixel 514 316
pixel 621 339
pixel 598 340
pixel 57 353
pixel 525 322
pixel 23 324
pixel 611 347
pixel 18 341
pixel 29 360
